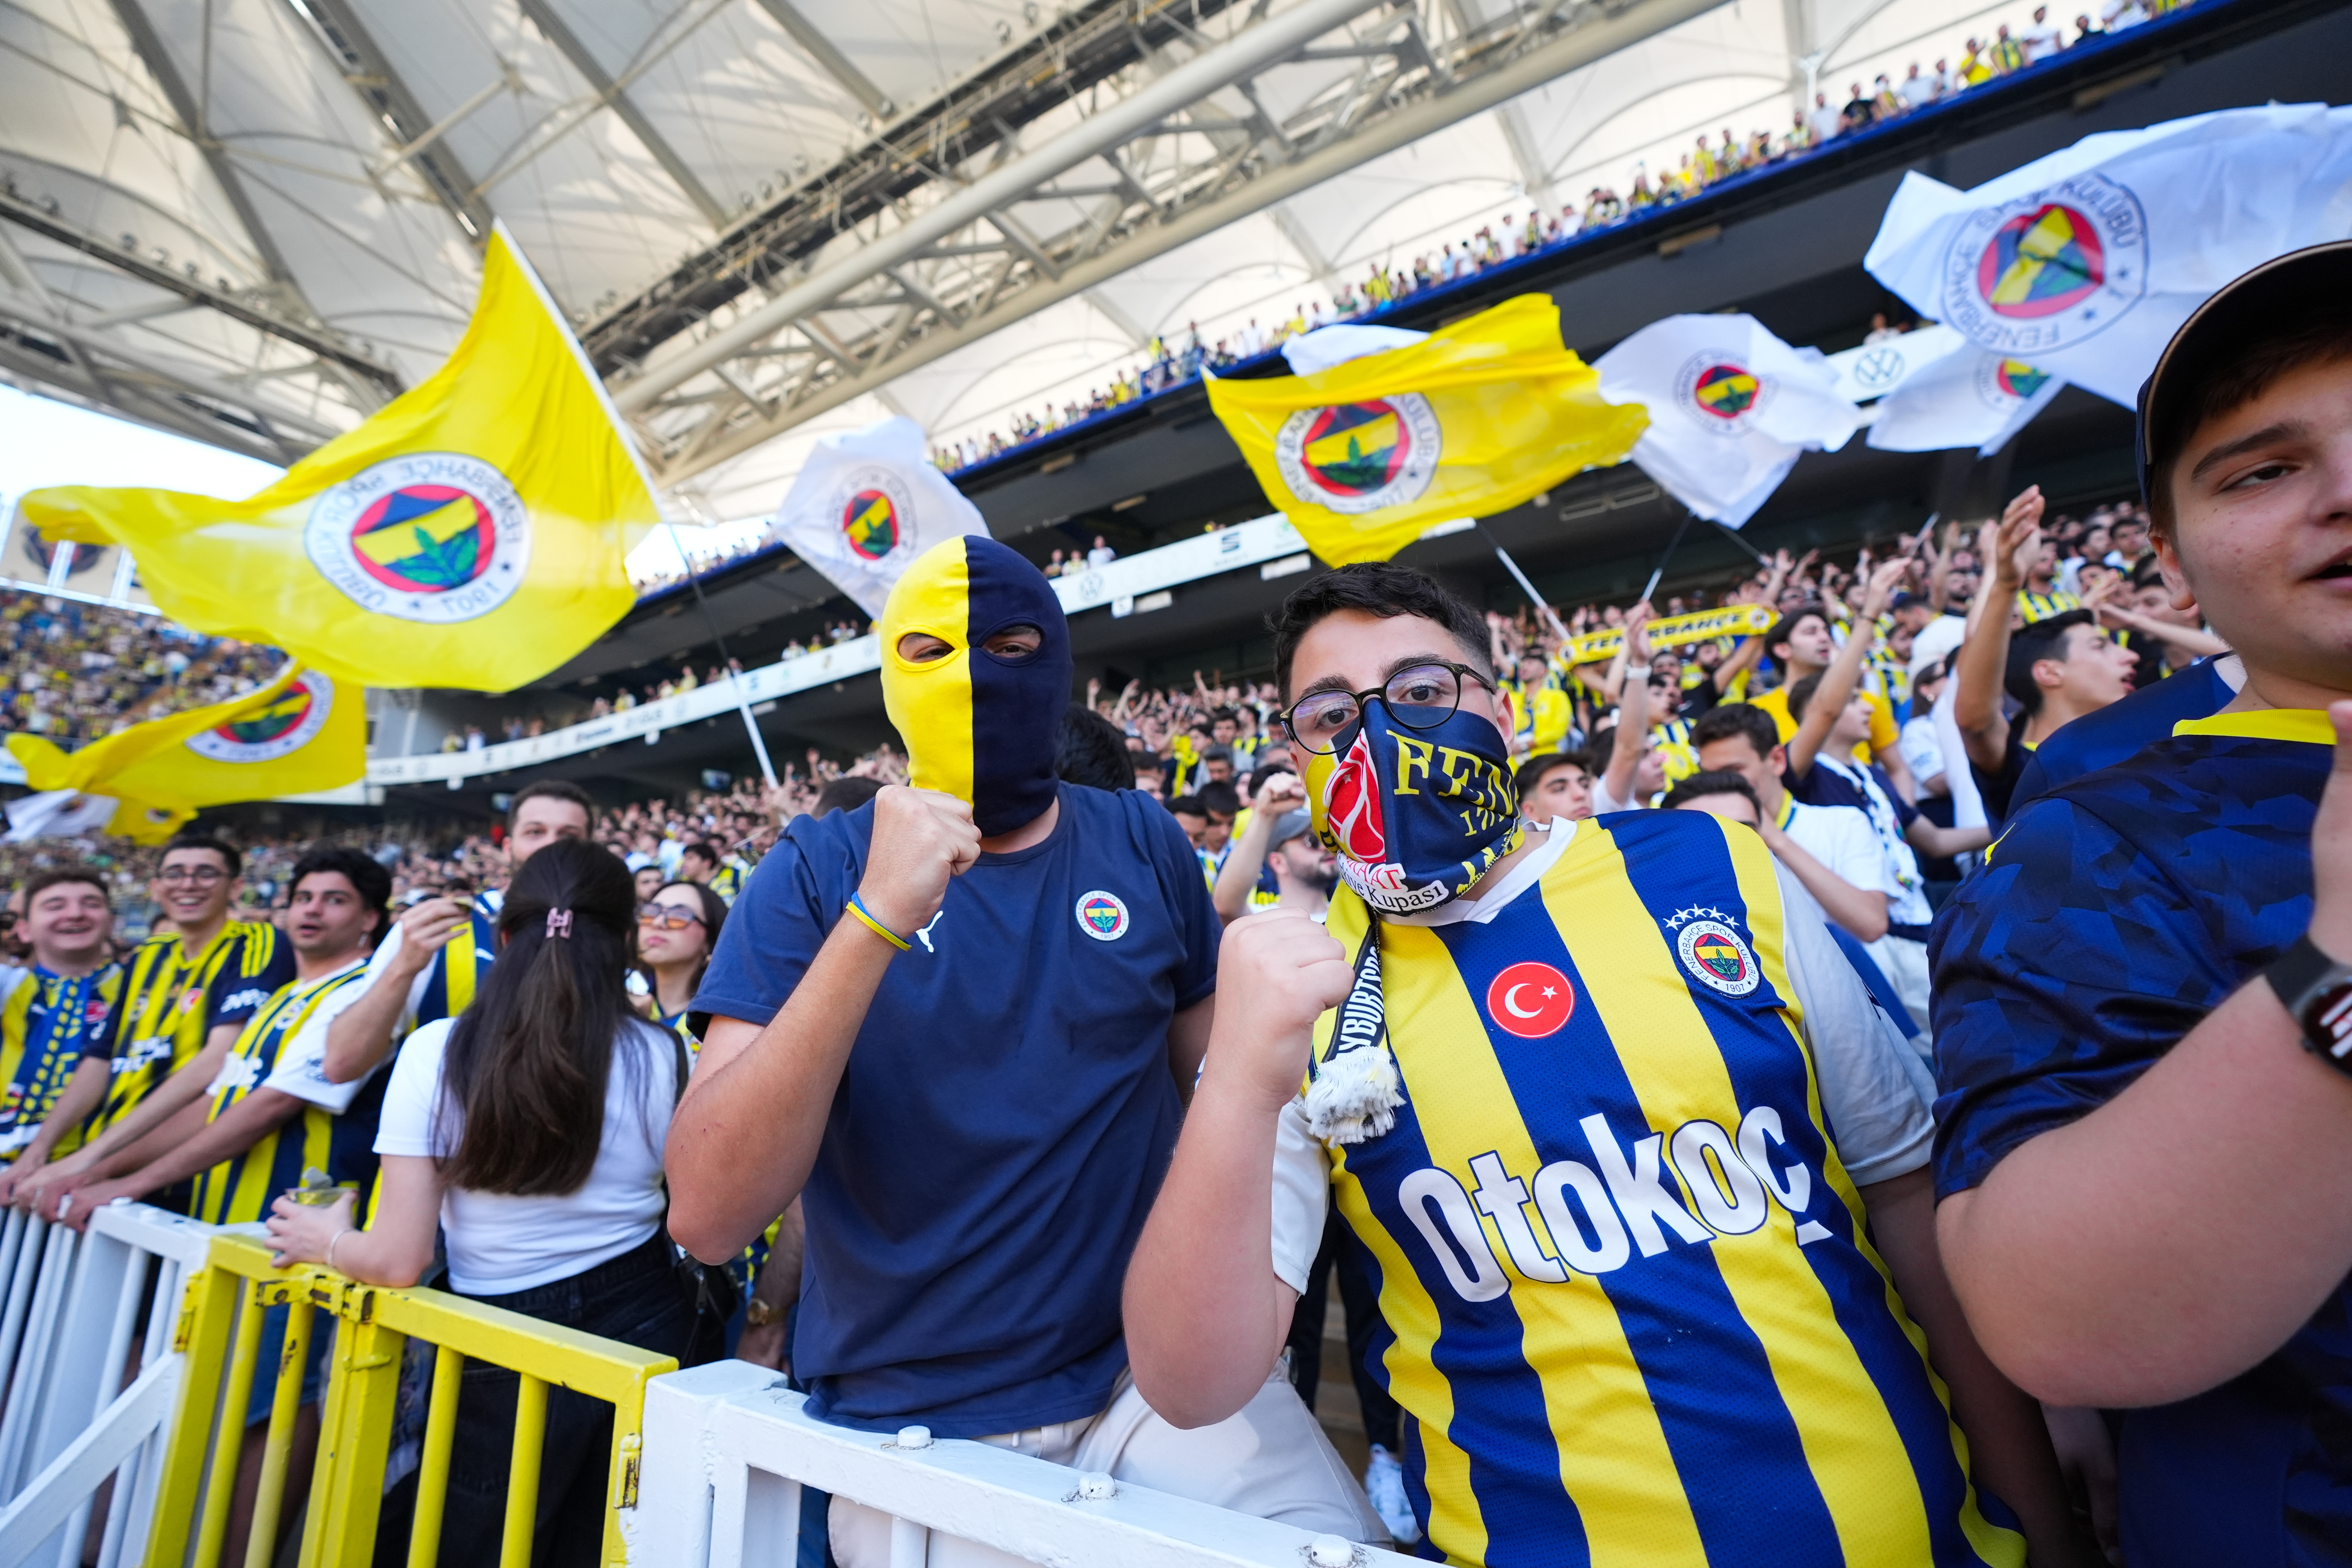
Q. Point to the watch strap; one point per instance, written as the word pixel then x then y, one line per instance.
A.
pixel 2303 975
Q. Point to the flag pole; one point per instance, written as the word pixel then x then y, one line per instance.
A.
pixel 1534 598
pixel 734 676
pixel 1672 545
pixel 1736 537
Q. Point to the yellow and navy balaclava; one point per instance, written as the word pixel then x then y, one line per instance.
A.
pixel 977 726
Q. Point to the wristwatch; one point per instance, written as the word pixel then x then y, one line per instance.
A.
pixel 759 1314
pixel 2317 992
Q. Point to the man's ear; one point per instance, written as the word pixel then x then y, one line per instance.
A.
pixel 1507 715
pixel 2180 595
pixel 1779 761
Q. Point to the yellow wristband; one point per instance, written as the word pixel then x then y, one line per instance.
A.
pixel 876 926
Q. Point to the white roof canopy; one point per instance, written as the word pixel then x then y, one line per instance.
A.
pixel 254 220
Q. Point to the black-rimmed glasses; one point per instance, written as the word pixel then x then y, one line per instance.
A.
pixel 1420 696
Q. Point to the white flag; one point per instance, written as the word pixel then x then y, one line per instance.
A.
pixel 57 814
pixel 866 504
pixel 1730 407
pixel 1971 398
pixel 2084 263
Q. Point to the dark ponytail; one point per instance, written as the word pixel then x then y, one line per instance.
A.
pixel 527 1065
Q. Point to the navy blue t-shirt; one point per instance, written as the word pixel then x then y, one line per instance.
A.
pixel 2112 916
pixel 1004 1119
pixel 2102 740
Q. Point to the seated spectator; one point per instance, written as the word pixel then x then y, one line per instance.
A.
pixel 2146 1133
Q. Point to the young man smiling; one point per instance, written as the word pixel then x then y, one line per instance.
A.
pixel 2145 1149
pixel 55 1022
pixel 186 998
pixel 1575 1101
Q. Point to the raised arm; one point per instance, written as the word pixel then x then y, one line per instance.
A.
pixel 360 1034
pixel 1206 1313
pixel 1983 658
pixel 1634 711
pixel 1835 688
pixel 1278 794
pixel 747 1131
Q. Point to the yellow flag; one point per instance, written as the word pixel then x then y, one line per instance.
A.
pixel 1472 420
pixel 303 733
pixel 471 534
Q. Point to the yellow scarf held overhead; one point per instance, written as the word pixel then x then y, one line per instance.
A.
pixel 301 733
pixel 1472 420
pixel 471 534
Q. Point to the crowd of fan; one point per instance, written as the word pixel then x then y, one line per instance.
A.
pixel 1178 359
pixel 78 672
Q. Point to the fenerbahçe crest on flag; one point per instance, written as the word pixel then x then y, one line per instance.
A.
pixel 1730 409
pixel 2083 264
pixel 303 733
pixel 471 534
pixel 866 503
pixel 1471 420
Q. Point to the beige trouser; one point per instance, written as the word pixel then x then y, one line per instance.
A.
pixel 1905 964
pixel 1270 1459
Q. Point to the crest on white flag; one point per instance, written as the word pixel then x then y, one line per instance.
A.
pixel 1730 406
pixel 2083 264
pixel 866 504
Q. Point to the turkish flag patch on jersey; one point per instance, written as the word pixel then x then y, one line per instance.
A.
pixel 1530 1000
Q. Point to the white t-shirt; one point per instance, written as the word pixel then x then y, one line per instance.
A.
pixel 1841 838
pixel 301 1070
pixel 1905 889
pixel 1922 752
pixel 499 1243
pixel 1875 1089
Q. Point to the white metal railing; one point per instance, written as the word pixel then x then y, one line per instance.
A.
pixel 728 1448
pixel 69 1318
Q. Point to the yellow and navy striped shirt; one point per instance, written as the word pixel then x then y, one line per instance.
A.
pixel 241 1189
pixel 48 1025
pixel 174 998
pixel 1629 1304
pixel 2042 606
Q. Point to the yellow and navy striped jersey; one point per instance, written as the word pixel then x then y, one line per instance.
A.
pixel 727 880
pixel 1672 739
pixel 1628 1303
pixel 456 972
pixel 240 1190
pixel 2042 606
pixel 174 998
pixel 48 1025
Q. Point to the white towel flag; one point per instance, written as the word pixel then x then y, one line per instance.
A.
pixel 1730 409
pixel 866 504
pixel 2081 266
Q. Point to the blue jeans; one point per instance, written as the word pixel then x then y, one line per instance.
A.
pixel 635 1298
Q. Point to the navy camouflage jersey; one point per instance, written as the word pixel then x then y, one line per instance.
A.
pixel 2116 913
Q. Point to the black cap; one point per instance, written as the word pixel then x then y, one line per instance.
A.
pixel 2237 313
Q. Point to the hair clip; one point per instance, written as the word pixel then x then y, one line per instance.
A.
pixel 559 922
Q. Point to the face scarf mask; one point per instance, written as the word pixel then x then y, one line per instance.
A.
pixel 979 727
pixel 1417 816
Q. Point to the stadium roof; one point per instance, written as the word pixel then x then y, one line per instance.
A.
pixel 253 221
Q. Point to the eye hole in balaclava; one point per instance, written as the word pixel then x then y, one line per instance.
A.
pixel 979 727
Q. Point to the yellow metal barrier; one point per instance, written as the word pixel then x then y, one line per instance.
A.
pixel 372 1325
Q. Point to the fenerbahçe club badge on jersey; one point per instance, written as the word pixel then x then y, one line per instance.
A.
pixel 1628 1299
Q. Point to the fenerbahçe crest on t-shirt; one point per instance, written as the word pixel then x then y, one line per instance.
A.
pixel 1628 1299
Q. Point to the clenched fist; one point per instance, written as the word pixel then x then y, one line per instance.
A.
pixel 1277 972
pixel 921 837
